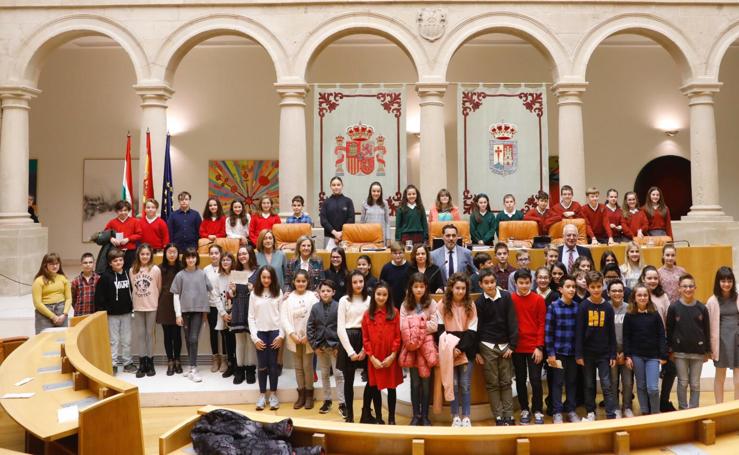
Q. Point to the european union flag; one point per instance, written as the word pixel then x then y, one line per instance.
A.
pixel 167 186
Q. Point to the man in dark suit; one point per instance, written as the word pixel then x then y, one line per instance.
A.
pixel 451 257
pixel 570 251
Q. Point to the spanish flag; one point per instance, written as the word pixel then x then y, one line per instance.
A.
pixel 126 190
pixel 148 179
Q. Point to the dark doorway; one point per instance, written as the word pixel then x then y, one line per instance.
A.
pixel 672 174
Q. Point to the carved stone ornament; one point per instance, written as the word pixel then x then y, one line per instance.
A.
pixel 431 23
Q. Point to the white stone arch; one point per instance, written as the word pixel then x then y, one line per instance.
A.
pixel 189 35
pixel 535 33
pixel 33 51
pixel 658 29
pixel 718 50
pixel 361 22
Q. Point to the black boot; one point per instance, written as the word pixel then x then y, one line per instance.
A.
pixel 150 371
pixel 141 372
pixel 416 419
pixel 177 366
pixel 230 370
pixel 367 415
pixel 170 367
pixel 251 374
pixel 425 421
pixel 239 375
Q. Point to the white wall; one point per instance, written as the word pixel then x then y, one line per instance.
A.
pixel 227 108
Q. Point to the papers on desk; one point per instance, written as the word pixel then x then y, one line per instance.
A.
pixel 18 395
pixel 23 381
pixel 68 414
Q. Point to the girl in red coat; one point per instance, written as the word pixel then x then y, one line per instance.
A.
pixel 381 338
pixel 213 225
pixel 658 214
pixel 265 219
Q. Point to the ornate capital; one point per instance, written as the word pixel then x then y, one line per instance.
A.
pixel 431 93
pixel 17 96
pixel 154 94
pixel 700 92
pixel 569 92
pixel 292 94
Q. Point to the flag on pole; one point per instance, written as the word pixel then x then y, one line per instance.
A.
pixel 148 178
pixel 167 186
pixel 126 188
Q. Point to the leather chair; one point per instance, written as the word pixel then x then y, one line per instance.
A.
pixel 555 231
pixel 287 234
pixel 522 232
pixel 654 240
pixel 357 237
pixel 463 230
pixel 228 245
pixel 8 345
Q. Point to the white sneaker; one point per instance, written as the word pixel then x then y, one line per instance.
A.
pixel 628 413
pixel 557 418
pixel 194 376
pixel 261 402
pixel 618 414
pixel 456 422
pixel 466 422
pixel 274 402
pixel 589 418
pixel 187 373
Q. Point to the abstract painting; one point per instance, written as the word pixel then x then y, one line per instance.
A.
pixel 101 189
pixel 247 180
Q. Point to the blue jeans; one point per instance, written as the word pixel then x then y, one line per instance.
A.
pixel 267 361
pixel 601 365
pixel 567 376
pixel 462 383
pixel 646 374
pixel 689 368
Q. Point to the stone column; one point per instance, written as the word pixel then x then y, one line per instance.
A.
pixel 703 153
pixel 293 152
pixel 22 243
pixel 154 99
pixel 571 140
pixel 432 170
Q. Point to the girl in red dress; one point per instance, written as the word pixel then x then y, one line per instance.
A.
pixel 635 218
pixel 381 337
pixel 213 226
pixel 657 213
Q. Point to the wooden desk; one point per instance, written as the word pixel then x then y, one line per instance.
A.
pixel 605 436
pixel 109 418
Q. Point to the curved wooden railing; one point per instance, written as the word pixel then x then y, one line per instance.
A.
pixel 608 436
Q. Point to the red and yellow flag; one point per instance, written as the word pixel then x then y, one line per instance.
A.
pixel 148 179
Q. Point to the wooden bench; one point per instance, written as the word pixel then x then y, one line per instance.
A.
pixel 72 367
pixel 607 436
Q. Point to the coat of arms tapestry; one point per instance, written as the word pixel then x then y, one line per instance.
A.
pixel 502 142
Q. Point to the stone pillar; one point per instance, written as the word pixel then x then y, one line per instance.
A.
pixel 432 171
pixel 154 118
pixel 571 140
pixel 22 243
pixel 293 156
pixel 703 153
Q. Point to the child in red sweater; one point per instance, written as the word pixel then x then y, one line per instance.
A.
pixel 265 219
pixel 616 225
pixel 567 209
pixel 213 225
pixel 128 232
pixel 153 229
pixel 594 213
pixel 635 217
pixel 527 358
pixel 657 213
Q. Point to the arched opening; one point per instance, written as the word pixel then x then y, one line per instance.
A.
pixel 224 119
pixel 633 111
pixel 520 63
pixel 369 59
pixel 80 121
pixel 727 134
pixel 672 175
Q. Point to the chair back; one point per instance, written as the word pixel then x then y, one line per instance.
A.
pixel 522 233
pixel 556 231
pixel 286 234
pixel 357 236
pixel 436 227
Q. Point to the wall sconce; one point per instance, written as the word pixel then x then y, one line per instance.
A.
pixel 672 133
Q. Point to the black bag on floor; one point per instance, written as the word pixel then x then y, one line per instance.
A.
pixel 224 432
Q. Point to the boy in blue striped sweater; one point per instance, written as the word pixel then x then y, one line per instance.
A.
pixel 559 337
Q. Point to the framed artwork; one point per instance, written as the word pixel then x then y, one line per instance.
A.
pixel 101 189
pixel 248 180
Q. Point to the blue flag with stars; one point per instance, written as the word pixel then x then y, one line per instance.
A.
pixel 167 186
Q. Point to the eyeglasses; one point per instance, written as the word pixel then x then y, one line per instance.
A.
pixel 687 286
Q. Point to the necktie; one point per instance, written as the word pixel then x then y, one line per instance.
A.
pixel 451 263
pixel 570 260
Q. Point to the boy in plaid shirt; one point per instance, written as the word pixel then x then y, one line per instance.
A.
pixel 559 337
pixel 299 216
pixel 83 287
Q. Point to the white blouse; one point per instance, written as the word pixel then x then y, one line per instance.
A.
pixel 295 311
pixel 350 316
pixel 239 231
pixel 264 314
